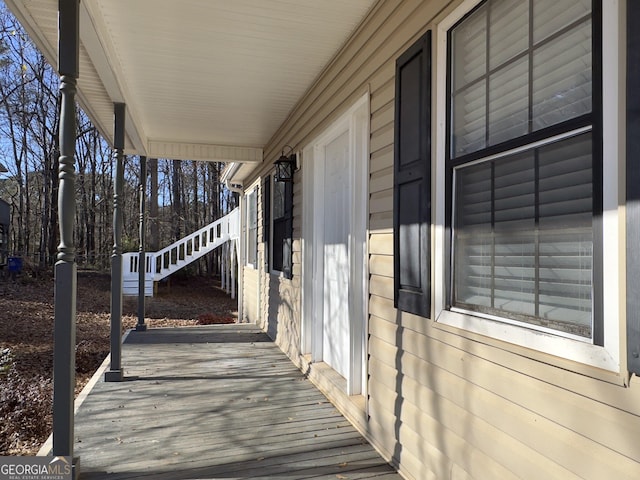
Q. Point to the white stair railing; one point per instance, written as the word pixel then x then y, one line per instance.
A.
pixel 161 264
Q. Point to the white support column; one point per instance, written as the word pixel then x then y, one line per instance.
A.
pixel 233 266
pixel 223 268
pixel 230 252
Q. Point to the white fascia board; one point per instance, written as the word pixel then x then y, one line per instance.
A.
pixel 99 54
pixel 96 50
pixel 236 173
pixel 19 10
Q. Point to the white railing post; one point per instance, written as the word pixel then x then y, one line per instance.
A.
pixel 223 269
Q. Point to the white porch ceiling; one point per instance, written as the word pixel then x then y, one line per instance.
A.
pixel 202 79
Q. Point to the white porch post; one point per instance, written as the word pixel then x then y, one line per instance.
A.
pixel 65 268
pixel 223 267
pixel 114 374
pixel 239 255
pixel 233 271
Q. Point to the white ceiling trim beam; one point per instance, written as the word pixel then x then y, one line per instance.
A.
pixel 211 153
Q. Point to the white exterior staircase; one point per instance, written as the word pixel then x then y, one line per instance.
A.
pixel 158 265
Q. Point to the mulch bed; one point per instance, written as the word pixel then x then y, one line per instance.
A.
pixel 26 341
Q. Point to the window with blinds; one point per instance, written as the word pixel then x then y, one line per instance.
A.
pixel 252 228
pixel 282 218
pixel 519 66
pixel 522 164
pixel 279 224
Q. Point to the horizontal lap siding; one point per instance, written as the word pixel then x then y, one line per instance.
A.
pixel 284 315
pixel 397 435
pixel 443 403
pixel 297 234
pixel 381 171
pixel 588 438
pixel 280 305
pixel 263 282
pixel 458 405
pixel 527 415
pixel 250 295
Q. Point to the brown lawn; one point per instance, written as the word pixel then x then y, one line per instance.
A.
pixel 26 341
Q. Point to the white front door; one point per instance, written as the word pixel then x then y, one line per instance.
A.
pixel 336 229
pixel 334 268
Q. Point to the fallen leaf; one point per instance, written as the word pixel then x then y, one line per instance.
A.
pixel 26 328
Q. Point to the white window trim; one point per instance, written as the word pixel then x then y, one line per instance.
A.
pixel 608 356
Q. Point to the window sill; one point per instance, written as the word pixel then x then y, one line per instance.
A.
pixel 539 343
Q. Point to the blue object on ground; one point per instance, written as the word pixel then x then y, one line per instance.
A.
pixel 15 264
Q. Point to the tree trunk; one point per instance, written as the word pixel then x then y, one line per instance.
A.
pixel 154 226
pixel 177 203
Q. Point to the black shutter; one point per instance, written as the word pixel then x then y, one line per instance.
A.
pixel 287 243
pixel 266 214
pixel 412 180
pixel 633 187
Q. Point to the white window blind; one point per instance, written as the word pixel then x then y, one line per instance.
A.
pixel 279 225
pixel 551 16
pixel 522 242
pixel 278 200
pixel 562 78
pixel 506 82
pixel 523 236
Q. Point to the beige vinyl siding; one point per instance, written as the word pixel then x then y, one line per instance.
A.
pixel 250 295
pixel 260 288
pixel 284 306
pixel 297 234
pixel 381 174
pixel 280 309
pixel 584 435
pixel 444 403
pixel 265 294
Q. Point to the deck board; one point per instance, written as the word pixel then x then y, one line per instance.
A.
pixel 216 402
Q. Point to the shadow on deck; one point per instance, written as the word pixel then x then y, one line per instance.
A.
pixel 216 402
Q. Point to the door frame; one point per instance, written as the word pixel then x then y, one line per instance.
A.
pixel 356 122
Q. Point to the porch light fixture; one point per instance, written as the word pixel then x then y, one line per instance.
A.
pixel 285 166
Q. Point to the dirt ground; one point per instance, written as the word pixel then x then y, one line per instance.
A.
pixel 26 341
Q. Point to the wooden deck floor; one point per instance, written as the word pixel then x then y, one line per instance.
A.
pixel 216 402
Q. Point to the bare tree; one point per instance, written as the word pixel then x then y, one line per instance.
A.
pixel 184 195
pixel 154 225
pixel 176 189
